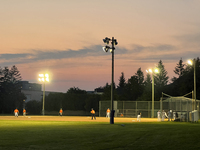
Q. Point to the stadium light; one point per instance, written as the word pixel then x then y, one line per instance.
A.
pixel 193 62
pixel 152 71
pixel 105 49
pixel 43 78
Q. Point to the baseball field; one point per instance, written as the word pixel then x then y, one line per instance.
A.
pixel 82 133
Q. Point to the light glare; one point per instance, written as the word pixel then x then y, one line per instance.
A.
pixel 41 75
pixel 156 70
pixel 190 62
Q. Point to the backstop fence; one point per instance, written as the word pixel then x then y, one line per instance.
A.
pixel 181 105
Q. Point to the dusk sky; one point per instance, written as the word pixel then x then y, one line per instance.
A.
pixel 64 38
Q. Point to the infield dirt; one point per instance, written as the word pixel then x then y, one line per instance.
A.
pixel 76 118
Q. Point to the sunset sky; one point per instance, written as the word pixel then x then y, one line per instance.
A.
pixel 64 38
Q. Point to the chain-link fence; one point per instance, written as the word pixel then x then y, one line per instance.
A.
pixel 129 108
pixel 180 105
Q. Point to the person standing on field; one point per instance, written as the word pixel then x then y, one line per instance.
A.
pixel 16 111
pixel 108 113
pixel 93 114
pixel 164 115
pixel 174 115
pixel 139 117
pixel 170 115
pixel 159 115
pixel 24 112
pixel 61 112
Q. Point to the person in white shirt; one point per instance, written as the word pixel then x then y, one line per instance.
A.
pixel 159 115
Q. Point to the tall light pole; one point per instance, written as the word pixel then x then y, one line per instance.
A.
pixel 194 63
pixel 105 49
pixel 152 73
pixel 43 78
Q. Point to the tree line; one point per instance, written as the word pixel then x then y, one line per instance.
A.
pixel 10 90
pixel 139 87
pixel 136 88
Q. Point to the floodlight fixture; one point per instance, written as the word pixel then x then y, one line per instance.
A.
pixel 106 48
pixel 114 42
pixel 190 62
pixel 156 70
pixel 41 75
pixel 152 71
pixel 112 49
pixel 106 40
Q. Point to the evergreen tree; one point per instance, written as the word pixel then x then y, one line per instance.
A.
pixel 179 70
pixel 161 78
pixel 135 85
pixel 122 81
pixel 140 76
pixel 10 90
pixel 107 92
pixel 121 87
pixel 147 93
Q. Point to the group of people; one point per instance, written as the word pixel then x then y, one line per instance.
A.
pixel 93 113
pixel 162 115
pixel 16 112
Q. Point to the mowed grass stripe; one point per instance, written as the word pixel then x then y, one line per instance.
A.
pixel 97 135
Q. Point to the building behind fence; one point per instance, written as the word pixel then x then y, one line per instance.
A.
pixel 182 105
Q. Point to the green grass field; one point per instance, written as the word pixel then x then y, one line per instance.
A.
pixel 48 135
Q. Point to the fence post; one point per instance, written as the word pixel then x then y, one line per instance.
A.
pixel 99 108
pixel 181 109
pixel 161 105
pixel 187 111
pixel 136 108
pixel 149 111
pixel 123 107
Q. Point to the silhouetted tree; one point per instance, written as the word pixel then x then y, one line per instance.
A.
pixel 121 87
pixel 54 101
pixel 34 107
pixel 107 92
pixel 135 86
pixel 92 101
pixel 161 78
pixel 74 99
pixel 147 93
pixel 179 70
pixel 10 90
